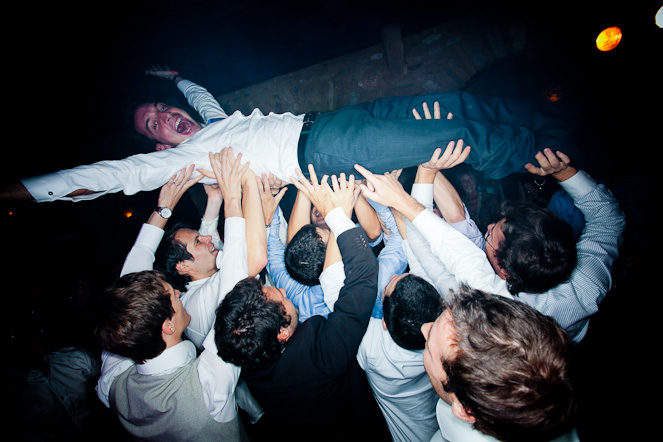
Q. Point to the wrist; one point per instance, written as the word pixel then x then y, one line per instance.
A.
pixel 565 174
pixel 425 175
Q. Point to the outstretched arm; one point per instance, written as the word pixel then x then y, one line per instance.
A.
pixel 197 96
pixel 249 207
pixel 141 255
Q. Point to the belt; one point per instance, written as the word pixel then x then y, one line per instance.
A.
pixel 309 119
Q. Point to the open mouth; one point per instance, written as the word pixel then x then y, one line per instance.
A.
pixel 183 126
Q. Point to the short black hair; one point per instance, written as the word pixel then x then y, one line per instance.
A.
pixel 305 256
pixel 171 252
pixel 413 302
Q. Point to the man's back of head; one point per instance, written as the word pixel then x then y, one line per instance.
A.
pixel 305 256
pixel 512 368
pixel 131 315
pixel 247 326
pixel 412 303
pixel 539 248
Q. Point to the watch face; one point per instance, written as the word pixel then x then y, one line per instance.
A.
pixel 165 212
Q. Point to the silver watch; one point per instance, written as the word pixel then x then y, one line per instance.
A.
pixel 164 212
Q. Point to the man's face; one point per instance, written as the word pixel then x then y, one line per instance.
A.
pixel 494 236
pixel 317 219
pixel 167 125
pixel 440 346
pixel 201 248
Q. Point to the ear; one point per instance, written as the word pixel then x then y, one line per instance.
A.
pixel 168 327
pixel 161 146
pixel 284 334
pixel 182 267
pixel 502 273
pixel 461 412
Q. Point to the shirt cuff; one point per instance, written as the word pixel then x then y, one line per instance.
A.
pixel 338 221
pixel 150 235
pixel 578 185
pixel 423 193
pixel 52 187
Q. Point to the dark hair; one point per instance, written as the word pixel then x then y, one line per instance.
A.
pixel 247 325
pixel 131 315
pixel 169 254
pixel 512 368
pixel 413 302
pixel 538 251
pixel 128 112
pixel 305 256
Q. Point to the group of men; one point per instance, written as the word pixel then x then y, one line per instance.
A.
pixel 305 323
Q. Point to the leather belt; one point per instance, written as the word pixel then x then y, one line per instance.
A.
pixel 309 119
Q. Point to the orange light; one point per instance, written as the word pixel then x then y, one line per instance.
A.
pixel 609 38
pixel 128 213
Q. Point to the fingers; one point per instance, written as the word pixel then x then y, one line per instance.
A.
pixel 549 163
pixel 436 110
pixel 365 172
pixel 427 114
pixel 426 111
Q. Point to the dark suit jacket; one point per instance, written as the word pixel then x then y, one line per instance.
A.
pixel 317 380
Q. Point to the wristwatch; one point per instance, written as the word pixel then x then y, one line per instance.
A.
pixel 164 212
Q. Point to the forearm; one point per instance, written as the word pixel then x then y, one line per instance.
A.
pixel 447 199
pixel 256 235
pixel 300 215
pixel 212 209
pixel 200 99
pixel 368 218
pixel 141 172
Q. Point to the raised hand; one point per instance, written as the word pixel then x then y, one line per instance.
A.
pixel 325 198
pixel 162 72
pixel 427 115
pixel 229 172
pixel 270 202
pixel 557 164
pixel 454 154
pixel 172 191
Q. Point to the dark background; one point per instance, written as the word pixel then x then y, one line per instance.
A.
pixel 70 70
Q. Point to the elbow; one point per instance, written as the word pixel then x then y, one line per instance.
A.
pixel 257 264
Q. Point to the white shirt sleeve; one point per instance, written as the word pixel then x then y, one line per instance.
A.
pixel 141 255
pixel 141 172
pixel 201 100
pixel 232 266
pixel 112 366
pixel 457 253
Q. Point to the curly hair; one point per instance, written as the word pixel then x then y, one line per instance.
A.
pixel 247 325
pixel 539 249
pixel 513 368
pixel 131 314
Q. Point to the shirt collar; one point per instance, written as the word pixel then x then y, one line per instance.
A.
pixel 169 360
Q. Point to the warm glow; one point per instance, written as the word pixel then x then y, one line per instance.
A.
pixel 609 38
pixel 128 213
